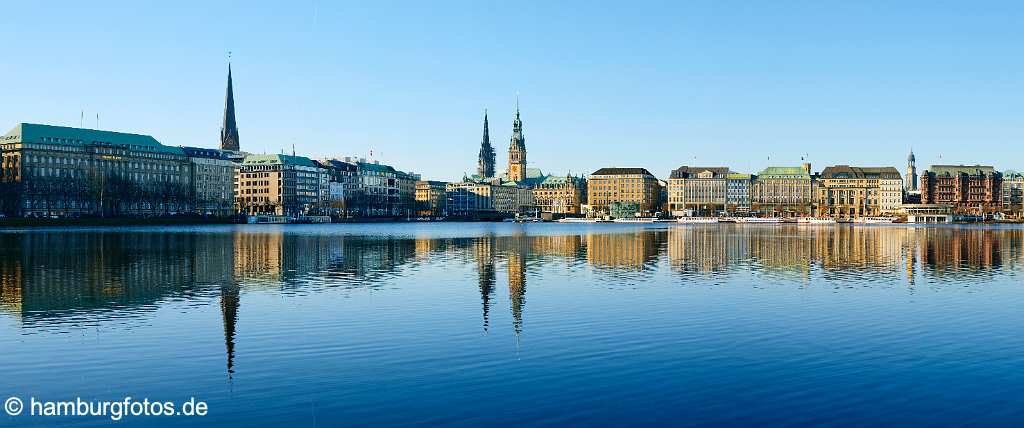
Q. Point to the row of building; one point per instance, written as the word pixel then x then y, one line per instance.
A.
pixel 62 171
pixel 50 170
pixel 840 191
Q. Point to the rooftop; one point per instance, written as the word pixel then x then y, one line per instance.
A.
pixel 622 171
pixel 278 160
pixel 784 172
pixel 961 169
pixel 67 136
pixel 688 171
pixel 846 171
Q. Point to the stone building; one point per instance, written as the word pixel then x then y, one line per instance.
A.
pixel 480 199
pixel 343 185
pixel 430 198
pixel 783 191
pixel 968 188
pixel 637 185
pixel 737 194
pixel 560 195
pixel 851 192
pixel 213 181
pixel 1012 193
pixel 279 184
pixel 697 191
pixel 61 171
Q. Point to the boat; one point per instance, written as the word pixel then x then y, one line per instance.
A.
pixel 815 220
pixel 697 220
pixel 874 220
pixel 268 219
pixel 762 220
pixel 578 220
pixel 634 220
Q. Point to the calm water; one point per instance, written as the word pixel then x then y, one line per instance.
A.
pixel 502 324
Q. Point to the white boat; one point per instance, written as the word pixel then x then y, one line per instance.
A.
pixel 634 220
pixel 815 220
pixel 874 220
pixel 765 220
pixel 697 220
pixel 577 220
pixel 268 219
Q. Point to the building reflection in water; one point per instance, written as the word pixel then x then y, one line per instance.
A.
pixel 230 295
pixel 484 254
pixel 48 278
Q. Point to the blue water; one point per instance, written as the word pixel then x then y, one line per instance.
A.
pixel 484 324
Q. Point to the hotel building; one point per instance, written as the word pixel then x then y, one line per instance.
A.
pixel 783 190
pixel 560 195
pixel 430 198
pixel 482 199
pixel 968 188
pixel 279 184
pixel 851 192
pixel 697 190
pixel 623 185
pixel 56 170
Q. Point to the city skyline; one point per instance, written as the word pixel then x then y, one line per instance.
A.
pixel 662 80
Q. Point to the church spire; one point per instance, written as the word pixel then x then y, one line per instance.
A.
pixel 229 130
pixel 485 160
pixel 517 149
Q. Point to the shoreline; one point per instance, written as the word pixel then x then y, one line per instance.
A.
pixel 199 221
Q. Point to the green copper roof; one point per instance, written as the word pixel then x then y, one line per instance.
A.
pixel 784 172
pixel 557 180
pixel 376 167
pixel 62 135
pixel 739 176
pixel 277 160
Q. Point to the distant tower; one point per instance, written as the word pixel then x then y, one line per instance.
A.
pixel 229 130
pixel 517 150
pixel 911 172
pixel 485 163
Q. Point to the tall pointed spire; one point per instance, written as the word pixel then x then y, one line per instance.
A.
pixel 229 130
pixel 517 149
pixel 485 160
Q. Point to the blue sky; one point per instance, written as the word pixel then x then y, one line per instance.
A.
pixel 653 84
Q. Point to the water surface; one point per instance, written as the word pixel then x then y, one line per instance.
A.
pixel 500 324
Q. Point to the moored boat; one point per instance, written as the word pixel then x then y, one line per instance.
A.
pixel 697 220
pixel 578 220
pixel 634 220
pixel 874 220
pixel 757 220
pixel 815 220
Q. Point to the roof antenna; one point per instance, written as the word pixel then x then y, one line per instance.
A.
pixel 81 120
pixel 97 121
pixel 293 149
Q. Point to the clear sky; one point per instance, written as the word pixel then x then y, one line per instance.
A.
pixel 742 84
